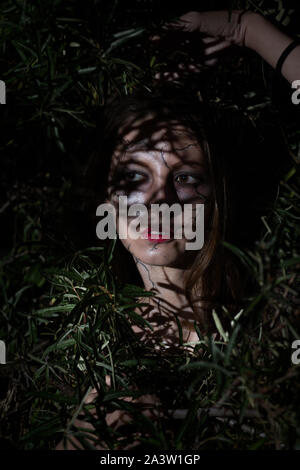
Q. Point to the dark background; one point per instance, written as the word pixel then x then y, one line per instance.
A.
pixel 62 61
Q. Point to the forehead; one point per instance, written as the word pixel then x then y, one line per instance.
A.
pixel 145 140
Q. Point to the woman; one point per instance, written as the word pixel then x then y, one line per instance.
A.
pixel 169 149
pixel 174 150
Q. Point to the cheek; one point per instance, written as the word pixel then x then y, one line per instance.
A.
pixel 194 193
pixel 134 195
pixel 137 196
pixel 123 200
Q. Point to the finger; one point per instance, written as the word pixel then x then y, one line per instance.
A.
pixel 217 47
pixel 166 41
pixel 176 76
pixel 174 25
pixel 155 37
pixel 184 23
pixel 211 62
pixel 190 67
pixel 164 30
pixel 171 35
pixel 168 77
pixel 209 39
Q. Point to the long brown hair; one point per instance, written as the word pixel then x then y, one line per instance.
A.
pixel 231 144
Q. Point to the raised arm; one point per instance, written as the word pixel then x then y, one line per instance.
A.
pixel 269 42
pixel 218 30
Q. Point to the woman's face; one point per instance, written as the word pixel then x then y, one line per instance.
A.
pixel 168 166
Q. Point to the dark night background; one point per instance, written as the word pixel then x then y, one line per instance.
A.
pixel 62 62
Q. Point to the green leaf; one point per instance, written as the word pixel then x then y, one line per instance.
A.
pixel 204 365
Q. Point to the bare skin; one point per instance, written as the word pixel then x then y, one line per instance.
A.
pixel 217 32
pixel 170 168
pixel 162 309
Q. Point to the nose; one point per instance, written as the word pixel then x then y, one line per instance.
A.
pixel 163 191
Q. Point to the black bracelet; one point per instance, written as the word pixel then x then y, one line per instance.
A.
pixel 284 55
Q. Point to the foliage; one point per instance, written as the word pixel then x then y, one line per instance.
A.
pixel 65 318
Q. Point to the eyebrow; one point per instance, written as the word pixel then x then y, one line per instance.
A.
pixel 146 142
pixel 139 143
pixel 189 163
pixel 139 159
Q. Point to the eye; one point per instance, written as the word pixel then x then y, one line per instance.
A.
pixel 133 176
pixel 187 179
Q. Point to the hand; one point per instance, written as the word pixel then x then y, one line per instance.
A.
pixel 198 38
pixel 148 405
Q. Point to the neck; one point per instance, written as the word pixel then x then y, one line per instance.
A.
pixel 166 282
pixel 170 299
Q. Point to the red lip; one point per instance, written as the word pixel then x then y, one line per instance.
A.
pixel 156 237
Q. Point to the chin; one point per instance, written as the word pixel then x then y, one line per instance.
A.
pixel 159 255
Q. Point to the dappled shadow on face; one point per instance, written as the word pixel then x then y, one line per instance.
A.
pixel 158 147
pixel 160 161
